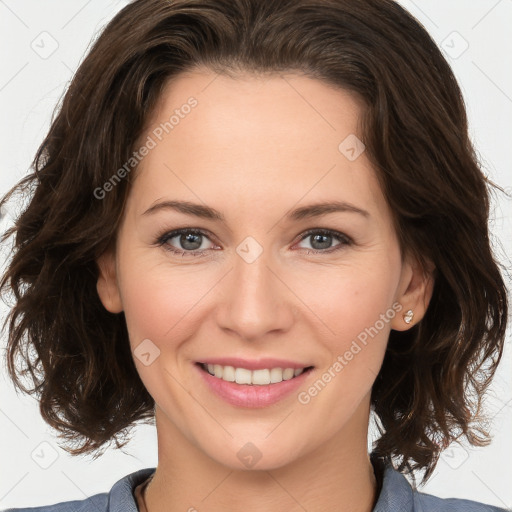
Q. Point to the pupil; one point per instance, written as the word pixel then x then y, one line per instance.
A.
pixel 190 238
pixel 323 245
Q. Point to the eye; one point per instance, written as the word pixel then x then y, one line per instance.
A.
pixel 321 240
pixel 194 242
pixel 185 241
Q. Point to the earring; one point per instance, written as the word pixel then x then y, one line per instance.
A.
pixel 408 316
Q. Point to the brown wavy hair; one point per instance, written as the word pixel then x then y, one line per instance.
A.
pixel 76 354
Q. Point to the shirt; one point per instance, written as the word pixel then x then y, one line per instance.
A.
pixel 396 495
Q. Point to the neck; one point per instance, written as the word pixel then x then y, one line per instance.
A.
pixel 336 476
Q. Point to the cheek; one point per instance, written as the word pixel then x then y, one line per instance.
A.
pixel 352 298
pixel 159 301
pixel 358 313
pixel 354 310
pixel 160 305
pixel 361 305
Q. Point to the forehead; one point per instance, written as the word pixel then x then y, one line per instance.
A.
pixel 272 136
pixel 291 104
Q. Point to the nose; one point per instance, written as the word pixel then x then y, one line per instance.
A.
pixel 254 301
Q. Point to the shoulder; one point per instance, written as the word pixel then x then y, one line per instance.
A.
pixel 119 499
pixel 398 494
pixel 426 502
pixel 98 503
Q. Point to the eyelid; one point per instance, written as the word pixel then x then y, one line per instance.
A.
pixel 166 235
pixel 331 232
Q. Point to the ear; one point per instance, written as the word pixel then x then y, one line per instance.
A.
pixel 107 285
pixel 414 292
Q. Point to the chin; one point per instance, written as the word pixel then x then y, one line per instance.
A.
pixel 255 455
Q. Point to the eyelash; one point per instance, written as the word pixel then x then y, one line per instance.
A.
pixel 166 236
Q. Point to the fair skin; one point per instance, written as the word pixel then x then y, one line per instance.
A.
pixel 255 148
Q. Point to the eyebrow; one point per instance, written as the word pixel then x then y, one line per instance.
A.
pixel 304 212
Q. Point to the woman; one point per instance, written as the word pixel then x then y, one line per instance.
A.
pixel 256 221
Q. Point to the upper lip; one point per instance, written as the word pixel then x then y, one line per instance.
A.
pixel 254 364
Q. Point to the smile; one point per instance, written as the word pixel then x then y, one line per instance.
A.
pixel 252 388
pixel 261 377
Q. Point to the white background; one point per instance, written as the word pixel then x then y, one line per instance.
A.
pixel 30 87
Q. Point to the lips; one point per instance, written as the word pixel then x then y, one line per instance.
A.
pixel 253 383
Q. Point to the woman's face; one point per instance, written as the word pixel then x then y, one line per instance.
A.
pixel 270 281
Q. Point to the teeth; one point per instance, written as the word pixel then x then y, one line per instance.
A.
pixel 243 376
pixel 255 377
pixel 276 375
pixel 217 370
pixel 228 374
pixel 260 377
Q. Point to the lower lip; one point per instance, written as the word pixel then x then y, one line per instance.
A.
pixel 252 396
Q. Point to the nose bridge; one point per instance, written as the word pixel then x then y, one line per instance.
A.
pixel 255 301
